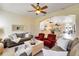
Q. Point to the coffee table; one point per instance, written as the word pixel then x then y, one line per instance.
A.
pixel 37 47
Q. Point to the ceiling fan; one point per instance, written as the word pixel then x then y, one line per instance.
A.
pixel 38 9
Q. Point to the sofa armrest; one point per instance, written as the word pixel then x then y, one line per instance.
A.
pixel 36 37
pixel 5 42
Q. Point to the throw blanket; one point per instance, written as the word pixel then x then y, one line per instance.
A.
pixel 23 50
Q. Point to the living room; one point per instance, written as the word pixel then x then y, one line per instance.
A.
pixel 18 20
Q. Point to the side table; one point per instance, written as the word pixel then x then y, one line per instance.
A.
pixel 1 48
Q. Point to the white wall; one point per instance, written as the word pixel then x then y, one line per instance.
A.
pixel 8 19
pixel 35 27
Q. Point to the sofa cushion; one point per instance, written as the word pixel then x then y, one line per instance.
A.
pixel 21 35
pixel 27 35
pixel 13 36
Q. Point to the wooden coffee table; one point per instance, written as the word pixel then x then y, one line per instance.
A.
pixel 37 47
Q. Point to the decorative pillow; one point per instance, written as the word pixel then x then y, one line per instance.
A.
pixel 13 36
pixel 27 35
pixel 21 35
pixel 10 36
pixel 16 40
pixel 63 43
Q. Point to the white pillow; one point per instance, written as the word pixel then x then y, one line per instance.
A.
pixel 26 35
pixel 63 43
pixel 14 36
pixel 54 53
pixel 16 40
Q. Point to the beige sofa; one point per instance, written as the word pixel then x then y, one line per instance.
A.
pixel 73 48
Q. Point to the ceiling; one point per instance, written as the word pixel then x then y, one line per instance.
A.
pixel 23 8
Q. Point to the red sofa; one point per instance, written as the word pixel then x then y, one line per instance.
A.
pixel 49 41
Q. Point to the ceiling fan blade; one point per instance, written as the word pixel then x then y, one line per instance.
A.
pixel 43 12
pixel 33 6
pixel 32 11
pixel 44 7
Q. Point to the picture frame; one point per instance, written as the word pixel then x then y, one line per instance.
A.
pixel 17 27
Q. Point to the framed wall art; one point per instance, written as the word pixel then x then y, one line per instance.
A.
pixel 17 27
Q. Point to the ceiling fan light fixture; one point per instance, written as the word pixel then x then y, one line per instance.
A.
pixel 38 12
pixel 39 9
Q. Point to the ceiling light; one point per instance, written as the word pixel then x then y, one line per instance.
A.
pixel 38 9
pixel 38 12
